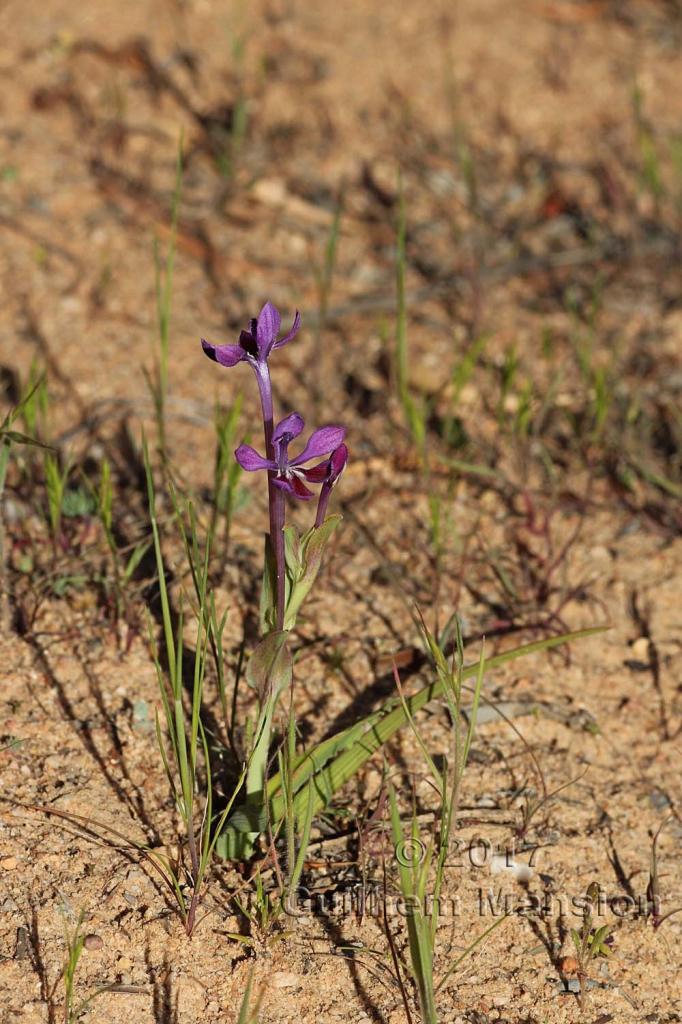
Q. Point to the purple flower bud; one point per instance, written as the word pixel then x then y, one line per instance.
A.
pixel 327 473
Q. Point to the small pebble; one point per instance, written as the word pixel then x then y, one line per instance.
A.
pixel 284 979
pixel 23 945
pixel 93 942
pixel 569 966
pixel 640 648
pixel 8 863
pixel 502 864
pixel 142 719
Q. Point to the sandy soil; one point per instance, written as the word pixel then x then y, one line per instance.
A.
pixel 538 221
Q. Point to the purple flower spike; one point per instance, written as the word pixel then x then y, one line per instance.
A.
pixel 289 472
pixel 256 344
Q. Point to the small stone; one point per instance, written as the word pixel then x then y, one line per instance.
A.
pixel 507 865
pixel 284 979
pixel 124 963
pixel 23 946
pixel 569 966
pixel 271 191
pixel 93 942
pixel 8 863
pixel 142 719
pixel 640 648
pixel 425 378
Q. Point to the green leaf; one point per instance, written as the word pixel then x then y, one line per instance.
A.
pixel 18 438
pixel 598 945
pixel 338 759
pixel 270 667
pixel 292 553
pixel 268 600
pixel 77 503
pixel 306 562
pixel 138 554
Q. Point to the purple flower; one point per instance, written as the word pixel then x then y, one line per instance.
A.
pixel 256 344
pixel 327 473
pixel 290 472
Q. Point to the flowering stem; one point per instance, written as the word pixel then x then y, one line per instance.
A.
pixel 275 496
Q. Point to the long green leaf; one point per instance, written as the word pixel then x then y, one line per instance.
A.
pixel 363 740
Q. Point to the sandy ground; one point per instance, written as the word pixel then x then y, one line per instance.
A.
pixel 534 220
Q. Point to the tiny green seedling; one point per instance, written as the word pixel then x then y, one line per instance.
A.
pixel 56 477
pixel 226 473
pixel 157 382
pixel 653 891
pixel 123 567
pixel 324 272
pixel 248 1013
pixel 415 858
pixel 75 944
pixel 415 413
pixel 9 437
pixel 590 942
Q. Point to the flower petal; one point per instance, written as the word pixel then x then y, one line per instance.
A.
pixel 337 463
pixel 317 474
pixel 248 342
pixel 294 487
pixel 251 460
pixel 321 442
pixel 292 333
pixel 329 471
pixel 292 425
pixel 226 355
pixel 267 329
